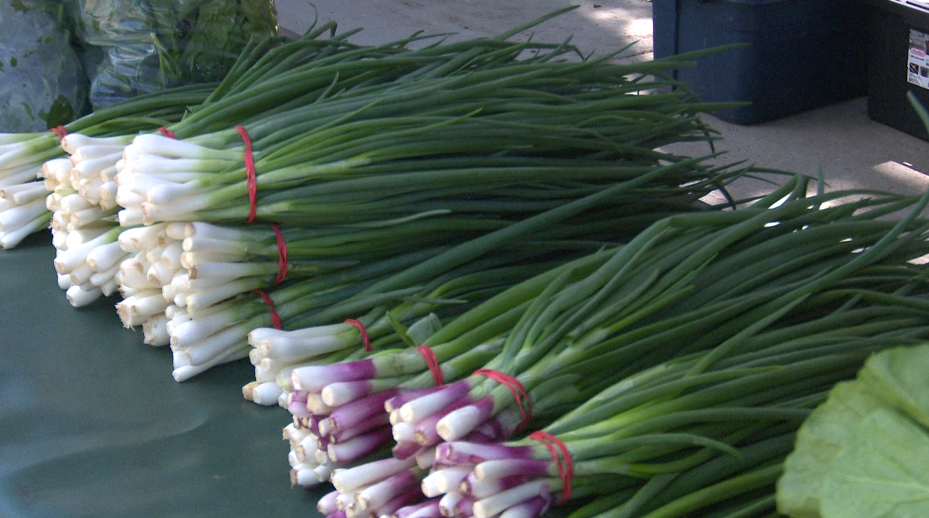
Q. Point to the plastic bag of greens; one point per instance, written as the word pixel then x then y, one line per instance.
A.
pixel 149 45
pixel 42 82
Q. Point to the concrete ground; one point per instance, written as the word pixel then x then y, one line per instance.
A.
pixel 853 150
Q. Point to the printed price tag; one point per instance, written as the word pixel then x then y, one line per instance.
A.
pixel 918 62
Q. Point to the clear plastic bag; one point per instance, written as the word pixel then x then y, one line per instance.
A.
pixel 149 45
pixel 42 81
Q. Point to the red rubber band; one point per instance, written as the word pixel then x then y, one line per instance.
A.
pixel 281 255
pixel 364 332
pixel 275 318
pixel 60 131
pixel 251 177
pixel 564 462
pixel 519 393
pixel 433 363
pixel 168 133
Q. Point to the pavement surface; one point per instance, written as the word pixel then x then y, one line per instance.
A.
pixel 852 150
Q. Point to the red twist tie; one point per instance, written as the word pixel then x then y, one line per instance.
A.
pixel 433 363
pixel 275 318
pixel 519 393
pixel 364 332
pixel 282 255
pixel 60 131
pixel 168 133
pixel 251 178
pixel 564 462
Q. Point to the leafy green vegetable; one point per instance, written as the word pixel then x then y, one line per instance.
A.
pixel 150 45
pixel 880 470
pixel 818 442
pixel 899 378
pixel 848 459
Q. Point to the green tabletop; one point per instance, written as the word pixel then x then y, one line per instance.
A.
pixel 92 423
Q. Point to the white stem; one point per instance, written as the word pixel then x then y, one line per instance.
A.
pixel 140 238
pixel 159 145
pixel 458 423
pixel 316 406
pixel 155 331
pixel 12 219
pixel 85 217
pixel 448 502
pixel 340 393
pixel 56 168
pixel 205 299
pixel 79 298
pixel 168 192
pixel 208 244
pixel 426 458
pixel 496 504
pixel 176 230
pixel 304 476
pixel 130 217
pixel 444 480
pixel 351 479
pixel 132 274
pixel 72 203
pixel 171 256
pixel 266 393
pixel 417 409
pixel 108 196
pixel 105 277
pixel 403 432
pixel 288 349
pixel 200 229
pixel 91 167
pixel 232 338
pixel 95 150
pixel 81 274
pixel 90 190
pixel 105 257
pixel 72 142
pixel 24 192
pixel 185 372
pixel 135 310
pixel 160 274
pixel 11 239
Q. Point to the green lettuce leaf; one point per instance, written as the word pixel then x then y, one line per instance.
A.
pixel 880 470
pixel 899 377
pixel 894 380
pixel 817 444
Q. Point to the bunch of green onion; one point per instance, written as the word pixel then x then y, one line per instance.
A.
pixel 685 297
pixel 471 156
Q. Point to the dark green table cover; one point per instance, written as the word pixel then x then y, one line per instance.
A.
pixel 92 423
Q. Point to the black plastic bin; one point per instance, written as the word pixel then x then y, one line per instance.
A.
pixel 898 64
pixel 801 54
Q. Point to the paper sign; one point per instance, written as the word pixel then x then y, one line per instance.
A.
pixel 918 62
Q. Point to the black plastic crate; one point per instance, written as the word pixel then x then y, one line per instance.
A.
pixel 899 44
pixel 801 54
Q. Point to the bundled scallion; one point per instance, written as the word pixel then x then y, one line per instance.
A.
pixel 698 315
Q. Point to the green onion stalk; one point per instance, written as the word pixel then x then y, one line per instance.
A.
pixel 646 308
pixel 430 167
pixel 680 430
pixel 83 188
pixel 81 183
pixel 22 156
pixel 338 415
pixel 219 332
pixel 287 348
pixel 349 300
pixel 400 146
pixel 478 183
